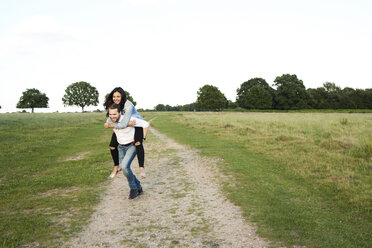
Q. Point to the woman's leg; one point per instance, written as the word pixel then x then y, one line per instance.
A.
pixel 145 129
pixel 114 154
pixel 142 123
pixel 138 138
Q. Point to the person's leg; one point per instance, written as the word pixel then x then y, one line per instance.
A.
pixel 114 154
pixel 141 159
pixel 144 124
pixel 138 138
pixel 126 156
pixel 145 129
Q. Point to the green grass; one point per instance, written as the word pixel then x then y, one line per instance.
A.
pixel 300 110
pixel 304 178
pixel 46 195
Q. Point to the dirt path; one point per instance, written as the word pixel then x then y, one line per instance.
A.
pixel 182 206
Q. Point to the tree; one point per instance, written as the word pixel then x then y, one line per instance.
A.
pixel 243 92
pixel 33 98
pixel 210 98
pixel 258 98
pixel 160 107
pixel 80 94
pixel 367 98
pixel 318 98
pixel 231 104
pixel 334 95
pixel 188 107
pixel 347 101
pixel 291 93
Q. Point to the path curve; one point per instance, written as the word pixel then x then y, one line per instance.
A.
pixel 182 206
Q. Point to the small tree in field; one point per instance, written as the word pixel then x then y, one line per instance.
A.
pixel 80 94
pixel 33 98
pixel 210 98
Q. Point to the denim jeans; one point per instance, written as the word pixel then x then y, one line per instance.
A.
pixel 126 156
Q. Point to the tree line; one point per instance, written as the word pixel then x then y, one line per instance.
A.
pixel 289 94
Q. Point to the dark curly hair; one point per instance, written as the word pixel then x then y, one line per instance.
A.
pixel 109 102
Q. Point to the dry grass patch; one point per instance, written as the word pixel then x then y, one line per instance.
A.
pixel 79 156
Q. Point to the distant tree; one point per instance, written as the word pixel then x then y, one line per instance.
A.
pixel 318 98
pixel 176 108
pixel 334 95
pixel 33 98
pixel 258 98
pixel 348 101
pixel 231 104
pixel 80 94
pixel 243 92
pixel 168 107
pixel 209 97
pixel 363 98
pixel 160 107
pixel 367 98
pixel 171 108
pixel 358 98
pixel 188 107
pixel 291 93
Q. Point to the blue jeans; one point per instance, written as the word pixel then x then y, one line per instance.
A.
pixel 126 156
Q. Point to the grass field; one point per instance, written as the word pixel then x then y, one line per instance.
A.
pixel 47 189
pixel 304 178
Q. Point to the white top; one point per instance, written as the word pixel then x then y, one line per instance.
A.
pixel 124 135
pixel 140 122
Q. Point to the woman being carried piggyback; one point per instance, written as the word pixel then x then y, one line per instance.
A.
pixel 131 117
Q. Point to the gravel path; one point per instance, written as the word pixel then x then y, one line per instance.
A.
pixel 182 206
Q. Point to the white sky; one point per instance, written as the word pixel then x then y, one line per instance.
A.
pixel 163 51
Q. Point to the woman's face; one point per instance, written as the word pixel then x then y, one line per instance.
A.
pixel 116 97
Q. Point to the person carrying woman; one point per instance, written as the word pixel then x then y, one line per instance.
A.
pixel 130 115
pixel 127 150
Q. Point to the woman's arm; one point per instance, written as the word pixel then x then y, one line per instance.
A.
pixel 110 124
pixel 128 109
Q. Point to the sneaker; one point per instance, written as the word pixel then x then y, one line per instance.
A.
pixel 133 194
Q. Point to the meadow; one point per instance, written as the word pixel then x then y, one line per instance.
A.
pixel 53 167
pixel 304 178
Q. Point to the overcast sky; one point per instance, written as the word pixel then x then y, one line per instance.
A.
pixel 163 51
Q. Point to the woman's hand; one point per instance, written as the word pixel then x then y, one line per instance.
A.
pixel 132 123
pixel 109 125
